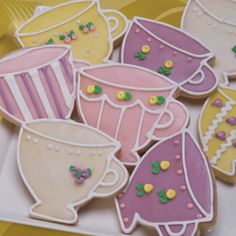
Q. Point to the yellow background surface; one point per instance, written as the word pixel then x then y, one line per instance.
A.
pixel 15 12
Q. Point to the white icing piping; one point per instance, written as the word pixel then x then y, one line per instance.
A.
pixel 223 147
pixel 219 118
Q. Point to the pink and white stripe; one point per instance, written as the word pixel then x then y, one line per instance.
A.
pixel 45 91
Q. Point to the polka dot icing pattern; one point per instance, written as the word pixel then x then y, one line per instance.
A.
pixel 183 200
pixel 217 131
pixel 37 83
pixel 184 61
pixel 217 21
pixel 82 24
pixel 75 178
pixel 126 92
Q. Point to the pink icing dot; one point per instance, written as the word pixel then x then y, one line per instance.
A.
pixel 177 157
pixel 189 59
pixel 183 187
pixel 126 220
pixel 199 216
pixel 137 31
pixel 176 142
pixel 175 53
pixel 149 39
pixel 179 172
pixel 162 46
pixel 122 205
pixel 190 205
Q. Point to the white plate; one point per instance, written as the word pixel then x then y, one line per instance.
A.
pixel 99 216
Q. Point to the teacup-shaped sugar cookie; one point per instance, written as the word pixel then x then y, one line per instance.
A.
pixel 65 164
pixel 171 52
pixel 37 83
pixel 214 23
pixel 131 104
pixel 89 30
pixel 217 127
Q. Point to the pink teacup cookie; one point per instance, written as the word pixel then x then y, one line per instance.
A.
pixel 131 104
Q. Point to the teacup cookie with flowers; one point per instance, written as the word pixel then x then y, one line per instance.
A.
pixel 90 31
pixel 171 190
pixel 171 52
pixel 217 128
pixel 65 164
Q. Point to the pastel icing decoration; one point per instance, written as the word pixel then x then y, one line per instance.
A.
pixel 218 134
pixel 90 31
pixel 174 54
pixel 62 181
pixel 148 188
pixel 178 205
pixel 123 110
pixel 165 165
pixel 37 83
pixel 216 28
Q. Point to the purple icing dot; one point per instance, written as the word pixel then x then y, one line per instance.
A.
pixel 221 135
pixel 231 121
pixel 234 144
pixel 85 173
pixel 79 180
pixel 217 103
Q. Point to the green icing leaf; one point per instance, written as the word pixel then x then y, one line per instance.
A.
pixel 164 71
pixel 97 89
pixel 128 96
pixel 50 41
pixel 160 100
pixel 161 193
pixel 81 27
pixel 62 36
pixel 71 33
pixel 140 55
pixel 89 24
pixel 78 174
pixel 164 199
pixel 139 187
pixel 155 164
pixel 140 193
pixel 72 167
pixel 90 171
pixel 234 49
pixel 156 170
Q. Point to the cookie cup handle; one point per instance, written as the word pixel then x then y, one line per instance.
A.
pixel 114 180
pixel 118 24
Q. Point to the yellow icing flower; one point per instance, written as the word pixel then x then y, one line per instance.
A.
pixel 120 95
pixel 165 165
pixel 153 100
pixel 171 194
pixel 169 64
pixel 90 89
pixel 145 49
pixel 148 188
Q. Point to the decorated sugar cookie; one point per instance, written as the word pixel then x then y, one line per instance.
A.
pixel 64 165
pixel 172 53
pixel 89 30
pixel 131 104
pixel 170 190
pixel 214 23
pixel 217 127
pixel 37 83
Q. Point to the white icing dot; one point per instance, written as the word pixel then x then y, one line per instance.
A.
pixel 96 34
pixel 35 140
pixel 78 21
pixel 215 25
pixel 209 22
pixel 194 9
pixel 71 151
pixel 49 146
pixel 87 50
pixel 28 137
pixel 57 148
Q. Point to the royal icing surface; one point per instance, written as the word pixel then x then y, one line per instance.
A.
pixel 171 52
pixel 131 104
pixel 65 164
pixel 214 23
pixel 37 83
pixel 82 24
pixel 217 126
pixel 179 201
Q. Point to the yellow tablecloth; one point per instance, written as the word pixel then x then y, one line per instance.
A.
pixel 14 12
